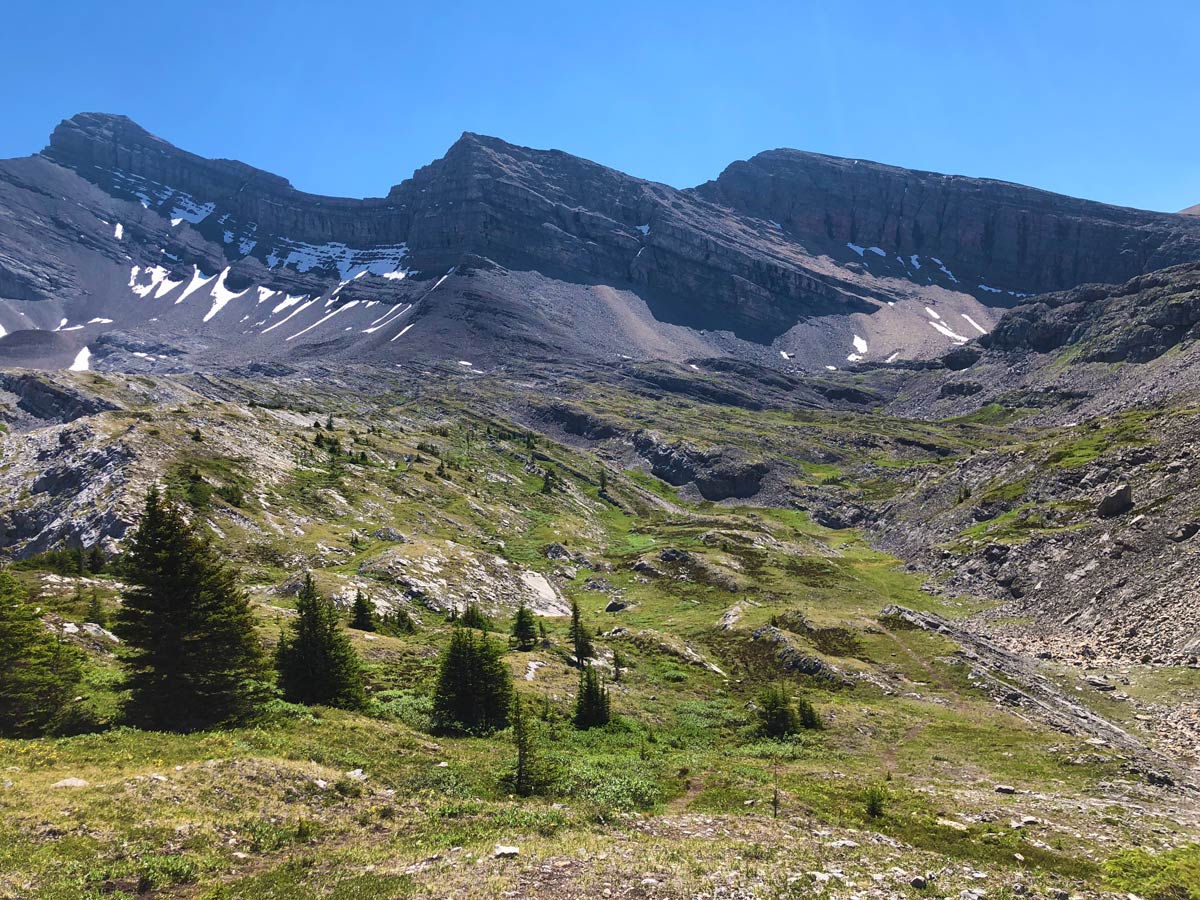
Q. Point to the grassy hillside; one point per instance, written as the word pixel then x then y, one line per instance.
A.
pixel 436 498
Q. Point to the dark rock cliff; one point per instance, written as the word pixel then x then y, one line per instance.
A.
pixel 1003 234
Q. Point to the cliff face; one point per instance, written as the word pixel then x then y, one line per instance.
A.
pixel 788 259
pixel 1001 233
pixel 698 264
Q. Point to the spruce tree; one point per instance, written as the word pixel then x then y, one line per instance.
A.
pixel 474 617
pixel 38 673
pixel 524 740
pixel 474 686
pixel 95 610
pixel 192 658
pixel 96 560
pixel 362 616
pixel 618 665
pixel 581 638
pixel 524 628
pixel 592 705
pixel 776 716
pixel 316 662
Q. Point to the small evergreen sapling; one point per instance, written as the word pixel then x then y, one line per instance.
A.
pixel 38 673
pixel 592 708
pixel 362 615
pixel 524 628
pixel 316 662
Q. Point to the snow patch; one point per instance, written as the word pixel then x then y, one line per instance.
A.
pixel 878 251
pixel 404 329
pixel 857 249
pixel 915 260
pixel 119 231
pixel 953 335
pixel 893 357
pixel 644 229
pixel 974 324
pixel 156 274
pixel 299 309
pixel 348 261
pixel 860 345
pixel 932 313
pixel 198 281
pixel 324 319
pixel 990 290
pixel 82 361
pixel 221 295
pixel 287 301
pixel 942 266
pixel 99 321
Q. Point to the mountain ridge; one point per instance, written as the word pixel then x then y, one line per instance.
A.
pixel 790 259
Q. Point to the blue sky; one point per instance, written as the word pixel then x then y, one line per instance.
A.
pixel 1096 99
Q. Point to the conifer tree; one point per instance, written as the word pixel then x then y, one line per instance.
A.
pixel 398 622
pixel 96 560
pixel 524 740
pixel 776 716
pixel 362 615
pixel 524 628
pixel 192 660
pixel 618 665
pixel 592 705
pixel 38 673
pixel 316 662
pixel 95 610
pixel 581 638
pixel 474 617
pixel 474 686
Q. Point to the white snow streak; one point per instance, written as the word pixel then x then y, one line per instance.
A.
pixel 403 330
pixel 324 319
pixel 299 309
pixel 953 335
pixel 119 231
pixel 974 324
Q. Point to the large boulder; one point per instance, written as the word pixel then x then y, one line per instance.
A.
pixel 1115 502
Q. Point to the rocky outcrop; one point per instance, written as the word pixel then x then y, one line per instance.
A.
pixel 1000 234
pixel 717 474
pixel 43 399
pixel 1133 322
